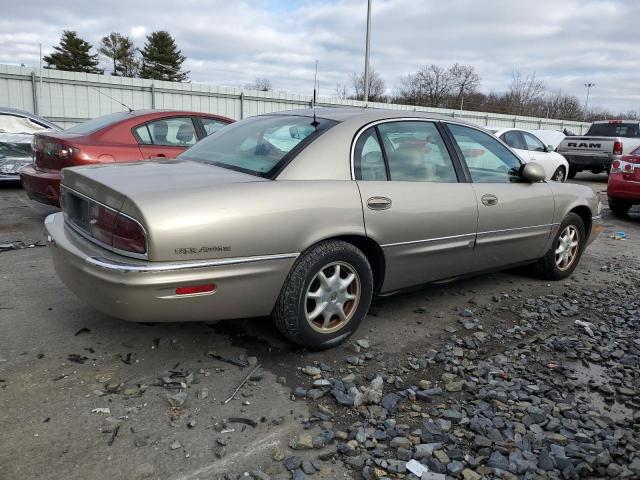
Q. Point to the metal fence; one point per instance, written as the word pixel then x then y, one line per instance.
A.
pixel 67 98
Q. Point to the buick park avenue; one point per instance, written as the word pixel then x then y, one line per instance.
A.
pixel 306 215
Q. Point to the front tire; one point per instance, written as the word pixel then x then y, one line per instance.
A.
pixel 565 252
pixel 559 175
pixel 325 296
pixel 619 208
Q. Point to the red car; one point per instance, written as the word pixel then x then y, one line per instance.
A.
pixel 624 183
pixel 118 137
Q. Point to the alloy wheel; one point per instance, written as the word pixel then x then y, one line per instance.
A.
pixel 567 249
pixel 332 297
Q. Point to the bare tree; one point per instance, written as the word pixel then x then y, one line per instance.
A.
pixel 525 94
pixel 377 86
pixel 430 86
pixel 560 105
pixel 342 92
pixel 262 84
pixel 465 80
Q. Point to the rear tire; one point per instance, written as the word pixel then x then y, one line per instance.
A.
pixel 559 175
pixel 619 208
pixel 572 171
pixel 565 252
pixel 319 308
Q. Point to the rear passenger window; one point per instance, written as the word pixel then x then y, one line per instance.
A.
pixel 173 132
pixel 368 158
pixel 416 152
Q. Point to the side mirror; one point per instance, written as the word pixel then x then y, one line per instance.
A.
pixel 533 172
pixel 550 148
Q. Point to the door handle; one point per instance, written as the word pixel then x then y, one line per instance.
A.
pixel 379 203
pixel 489 199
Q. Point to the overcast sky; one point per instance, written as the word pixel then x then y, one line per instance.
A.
pixel 565 43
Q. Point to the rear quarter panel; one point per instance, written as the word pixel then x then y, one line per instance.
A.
pixel 247 219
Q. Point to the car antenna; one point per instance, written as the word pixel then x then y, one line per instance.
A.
pixel 315 84
pixel 109 96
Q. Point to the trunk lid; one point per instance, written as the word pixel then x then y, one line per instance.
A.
pixel 149 182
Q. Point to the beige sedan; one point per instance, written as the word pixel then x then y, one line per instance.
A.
pixel 305 215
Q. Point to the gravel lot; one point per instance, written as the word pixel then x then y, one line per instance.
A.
pixel 483 378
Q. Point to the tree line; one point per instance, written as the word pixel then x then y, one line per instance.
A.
pixel 459 87
pixel 159 59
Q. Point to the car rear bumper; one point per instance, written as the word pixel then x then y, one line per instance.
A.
pixel 620 188
pixel 41 185
pixel 590 162
pixel 146 291
pixel 9 178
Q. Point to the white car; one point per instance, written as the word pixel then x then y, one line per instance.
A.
pixel 531 149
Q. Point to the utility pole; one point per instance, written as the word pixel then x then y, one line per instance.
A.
pixel 366 54
pixel 586 104
pixel 316 86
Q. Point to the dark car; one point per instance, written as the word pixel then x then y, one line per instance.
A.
pixel 17 128
pixel 118 137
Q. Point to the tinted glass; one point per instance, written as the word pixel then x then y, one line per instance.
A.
pixel 258 145
pixel 211 125
pixel 514 139
pixel 614 130
pixel 533 143
pixel 144 135
pixel 96 124
pixel 368 159
pixel 488 160
pixel 172 132
pixel 416 152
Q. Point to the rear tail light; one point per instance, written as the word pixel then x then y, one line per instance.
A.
pixel 615 167
pixel 617 148
pixel 129 236
pixel 117 230
pixel 62 154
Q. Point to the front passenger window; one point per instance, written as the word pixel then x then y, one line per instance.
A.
pixel 488 160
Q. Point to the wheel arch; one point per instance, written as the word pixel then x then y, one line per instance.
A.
pixel 585 214
pixel 371 249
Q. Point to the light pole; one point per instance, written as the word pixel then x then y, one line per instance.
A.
pixel 366 54
pixel 586 103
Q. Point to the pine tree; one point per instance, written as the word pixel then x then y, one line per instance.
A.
pixel 120 50
pixel 73 55
pixel 161 59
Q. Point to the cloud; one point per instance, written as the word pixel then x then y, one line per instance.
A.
pixel 565 43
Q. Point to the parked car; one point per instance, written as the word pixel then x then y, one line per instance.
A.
pixel 118 137
pixel 605 141
pixel 623 189
pixel 354 203
pixel 531 149
pixel 17 128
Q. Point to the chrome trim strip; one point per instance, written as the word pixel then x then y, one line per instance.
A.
pixel 86 235
pixel 160 267
pixel 597 217
pixel 464 235
pixel 412 242
pixel 515 229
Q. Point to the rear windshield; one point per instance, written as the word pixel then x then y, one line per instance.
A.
pixel 96 124
pixel 260 145
pixel 613 130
